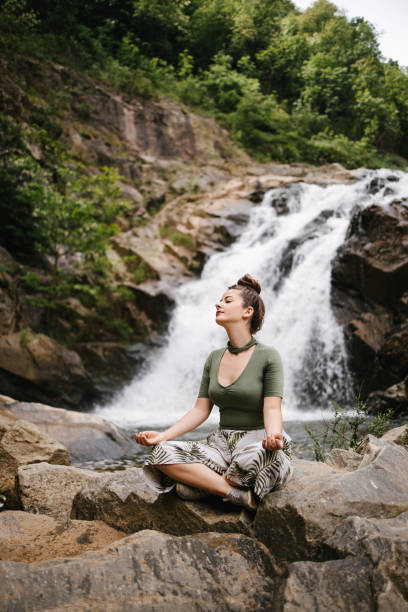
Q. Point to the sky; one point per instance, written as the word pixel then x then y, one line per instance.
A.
pixel 390 18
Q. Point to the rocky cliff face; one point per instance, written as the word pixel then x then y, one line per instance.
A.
pixel 190 189
pixel 370 299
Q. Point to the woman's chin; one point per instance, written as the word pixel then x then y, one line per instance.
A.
pixel 217 320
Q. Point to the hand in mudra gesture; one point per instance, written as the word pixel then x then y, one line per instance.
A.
pixel 273 442
pixel 148 438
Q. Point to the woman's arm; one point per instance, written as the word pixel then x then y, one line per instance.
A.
pixel 273 423
pixel 192 419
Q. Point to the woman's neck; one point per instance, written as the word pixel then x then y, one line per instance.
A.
pixel 239 337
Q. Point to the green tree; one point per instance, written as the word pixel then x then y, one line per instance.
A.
pixel 77 220
pixel 19 231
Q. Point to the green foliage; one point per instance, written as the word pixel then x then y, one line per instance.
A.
pixel 15 16
pixel 26 336
pixel 275 77
pixel 178 238
pixel 348 428
pixel 19 231
pixel 119 328
pixel 140 269
pixel 56 215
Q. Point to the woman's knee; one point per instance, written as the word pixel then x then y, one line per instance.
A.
pixel 229 480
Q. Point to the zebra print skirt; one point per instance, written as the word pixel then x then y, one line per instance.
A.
pixel 237 454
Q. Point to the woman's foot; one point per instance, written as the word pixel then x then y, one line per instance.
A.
pixel 242 497
pixel 190 493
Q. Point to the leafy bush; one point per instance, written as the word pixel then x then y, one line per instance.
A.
pixel 348 428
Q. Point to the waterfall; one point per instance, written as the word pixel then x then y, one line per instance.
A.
pixel 288 244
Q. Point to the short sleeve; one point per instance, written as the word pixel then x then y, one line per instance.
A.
pixel 205 379
pixel 273 375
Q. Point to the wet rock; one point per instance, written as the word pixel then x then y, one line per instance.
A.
pixel 395 397
pixel 369 284
pixel 50 489
pixel 26 537
pixel 256 196
pixel 279 199
pixel 124 501
pixel 22 443
pixel 374 260
pixel 148 571
pixel 342 584
pixel 86 436
pixel 312 230
pixel 318 498
pixel 365 336
pixel 392 366
pixel 375 185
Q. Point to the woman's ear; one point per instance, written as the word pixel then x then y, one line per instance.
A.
pixel 248 312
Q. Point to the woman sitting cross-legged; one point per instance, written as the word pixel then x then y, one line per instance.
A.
pixel 249 455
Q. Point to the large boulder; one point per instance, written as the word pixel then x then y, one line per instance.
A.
pixel 124 501
pixel 399 435
pixel 383 544
pixel 318 498
pixel 394 397
pixel 369 298
pixel 392 358
pixel 373 259
pixel 148 571
pixel 50 489
pixel 86 436
pixel 341 585
pixel 22 443
pixel 28 537
pixel 36 361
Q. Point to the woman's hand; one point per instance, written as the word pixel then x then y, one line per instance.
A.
pixel 273 441
pixel 149 438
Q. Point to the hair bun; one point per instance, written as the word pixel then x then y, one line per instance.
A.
pixel 251 283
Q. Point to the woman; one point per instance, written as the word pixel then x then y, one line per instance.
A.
pixel 249 455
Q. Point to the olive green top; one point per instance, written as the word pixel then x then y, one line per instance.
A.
pixel 241 402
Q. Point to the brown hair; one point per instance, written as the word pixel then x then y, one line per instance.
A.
pixel 250 290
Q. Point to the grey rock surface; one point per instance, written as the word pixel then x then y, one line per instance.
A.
pixel 86 436
pixel 397 435
pixel 342 585
pixel 384 544
pixel 50 489
pixel 26 537
pixel 124 501
pixel 318 499
pixel 22 443
pixel 148 571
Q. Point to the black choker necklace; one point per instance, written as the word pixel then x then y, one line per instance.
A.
pixel 238 349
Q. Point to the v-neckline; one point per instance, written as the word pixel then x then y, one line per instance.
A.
pixel 234 381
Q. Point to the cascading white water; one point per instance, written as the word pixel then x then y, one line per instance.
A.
pixel 291 255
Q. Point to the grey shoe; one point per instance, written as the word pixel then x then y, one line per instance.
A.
pixel 190 493
pixel 242 497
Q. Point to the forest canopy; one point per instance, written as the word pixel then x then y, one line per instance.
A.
pixel 289 85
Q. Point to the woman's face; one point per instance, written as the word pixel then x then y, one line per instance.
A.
pixel 230 308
